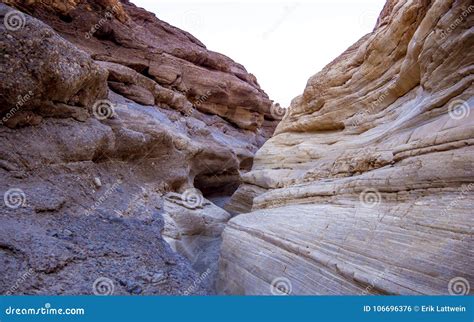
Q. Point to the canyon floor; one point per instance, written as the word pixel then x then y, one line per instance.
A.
pixel 133 160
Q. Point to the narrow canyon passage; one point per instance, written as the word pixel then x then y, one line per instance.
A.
pixel 134 158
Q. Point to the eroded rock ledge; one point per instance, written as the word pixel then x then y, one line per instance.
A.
pixel 367 185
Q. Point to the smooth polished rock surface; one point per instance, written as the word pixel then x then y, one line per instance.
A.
pixel 367 185
pixel 193 227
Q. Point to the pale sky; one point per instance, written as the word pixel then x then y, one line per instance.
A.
pixel 281 43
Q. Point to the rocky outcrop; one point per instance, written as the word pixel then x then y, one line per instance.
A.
pixel 367 185
pixel 153 63
pixel 193 227
pixel 105 112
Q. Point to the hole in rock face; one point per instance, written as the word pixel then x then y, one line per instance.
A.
pixel 217 185
pixel 66 18
pixel 246 164
pixel 177 184
pixel 106 32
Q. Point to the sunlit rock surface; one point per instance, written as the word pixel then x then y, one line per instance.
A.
pixel 367 185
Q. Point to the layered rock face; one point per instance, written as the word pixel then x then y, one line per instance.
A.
pixel 367 185
pixel 108 114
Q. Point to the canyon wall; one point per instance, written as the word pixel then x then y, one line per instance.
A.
pixel 110 120
pixel 367 185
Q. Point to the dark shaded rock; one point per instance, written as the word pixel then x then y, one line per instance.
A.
pixel 152 112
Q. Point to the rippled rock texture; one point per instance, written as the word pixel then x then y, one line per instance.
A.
pixel 367 185
pixel 106 111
